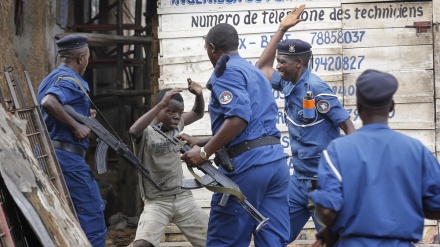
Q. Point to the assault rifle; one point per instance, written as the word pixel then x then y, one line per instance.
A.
pixel 216 181
pixel 106 139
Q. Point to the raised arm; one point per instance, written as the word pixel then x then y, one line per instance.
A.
pixel 265 63
pixel 198 109
pixel 138 127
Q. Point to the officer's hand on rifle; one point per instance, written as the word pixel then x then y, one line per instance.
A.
pixel 80 132
pixel 192 157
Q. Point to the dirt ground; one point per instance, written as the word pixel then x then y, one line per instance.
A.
pixel 120 238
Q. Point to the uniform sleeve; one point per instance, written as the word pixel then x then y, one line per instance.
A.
pixel 337 114
pixel 431 182
pixel 276 81
pixel 232 95
pixel 66 91
pixel 329 191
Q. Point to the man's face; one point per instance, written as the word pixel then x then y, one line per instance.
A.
pixel 289 67
pixel 170 115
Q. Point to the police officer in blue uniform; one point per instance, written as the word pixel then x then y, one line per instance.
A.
pixel 246 125
pixel 65 86
pixel 376 186
pixel 312 113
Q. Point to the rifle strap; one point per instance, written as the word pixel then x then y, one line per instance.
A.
pixel 85 92
pixel 220 189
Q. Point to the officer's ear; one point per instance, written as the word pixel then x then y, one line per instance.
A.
pixel 80 58
pixel 299 63
pixel 392 106
pixel 212 47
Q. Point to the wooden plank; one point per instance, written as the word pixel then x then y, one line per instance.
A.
pixel 395 58
pixel 99 39
pixel 354 61
pixel 243 19
pixel 365 1
pixel 436 50
pixel 171 7
pixel 202 78
pixel 174 75
pixel 383 15
pixel 405 116
pixel 383 37
pixel 250 44
pixel 329 25
pixel 437 130
pixel 414 86
pixel 251 56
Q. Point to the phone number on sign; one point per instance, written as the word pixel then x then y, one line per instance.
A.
pixel 337 37
pixel 338 63
pixel 356 114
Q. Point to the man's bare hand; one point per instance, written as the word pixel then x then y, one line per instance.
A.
pixel 325 237
pixel 192 157
pixel 191 140
pixel 81 132
pixel 293 17
pixel 194 87
pixel 169 95
pixel 92 113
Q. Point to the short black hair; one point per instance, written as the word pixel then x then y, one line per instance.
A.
pixel 224 36
pixel 161 93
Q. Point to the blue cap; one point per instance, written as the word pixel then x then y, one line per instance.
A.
pixel 375 89
pixel 293 47
pixel 71 42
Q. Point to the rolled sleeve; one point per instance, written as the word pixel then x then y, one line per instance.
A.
pixel 65 91
pixel 337 113
pixel 276 81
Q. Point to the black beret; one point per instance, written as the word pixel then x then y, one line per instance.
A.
pixel 71 42
pixel 293 47
pixel 375 89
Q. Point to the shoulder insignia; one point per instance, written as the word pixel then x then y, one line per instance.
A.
pixel 323 106
pixel 226 97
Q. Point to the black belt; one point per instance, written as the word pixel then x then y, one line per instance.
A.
pixel 69 148
pixel 244 146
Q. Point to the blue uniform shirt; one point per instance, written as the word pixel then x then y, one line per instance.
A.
pixel 67 93
pixel 232 95
pixel 387 180
pixel 309 138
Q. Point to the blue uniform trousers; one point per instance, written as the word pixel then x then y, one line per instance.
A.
pixel 89 205
pixel 298 206
pixel 265 187
pixel 372 242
